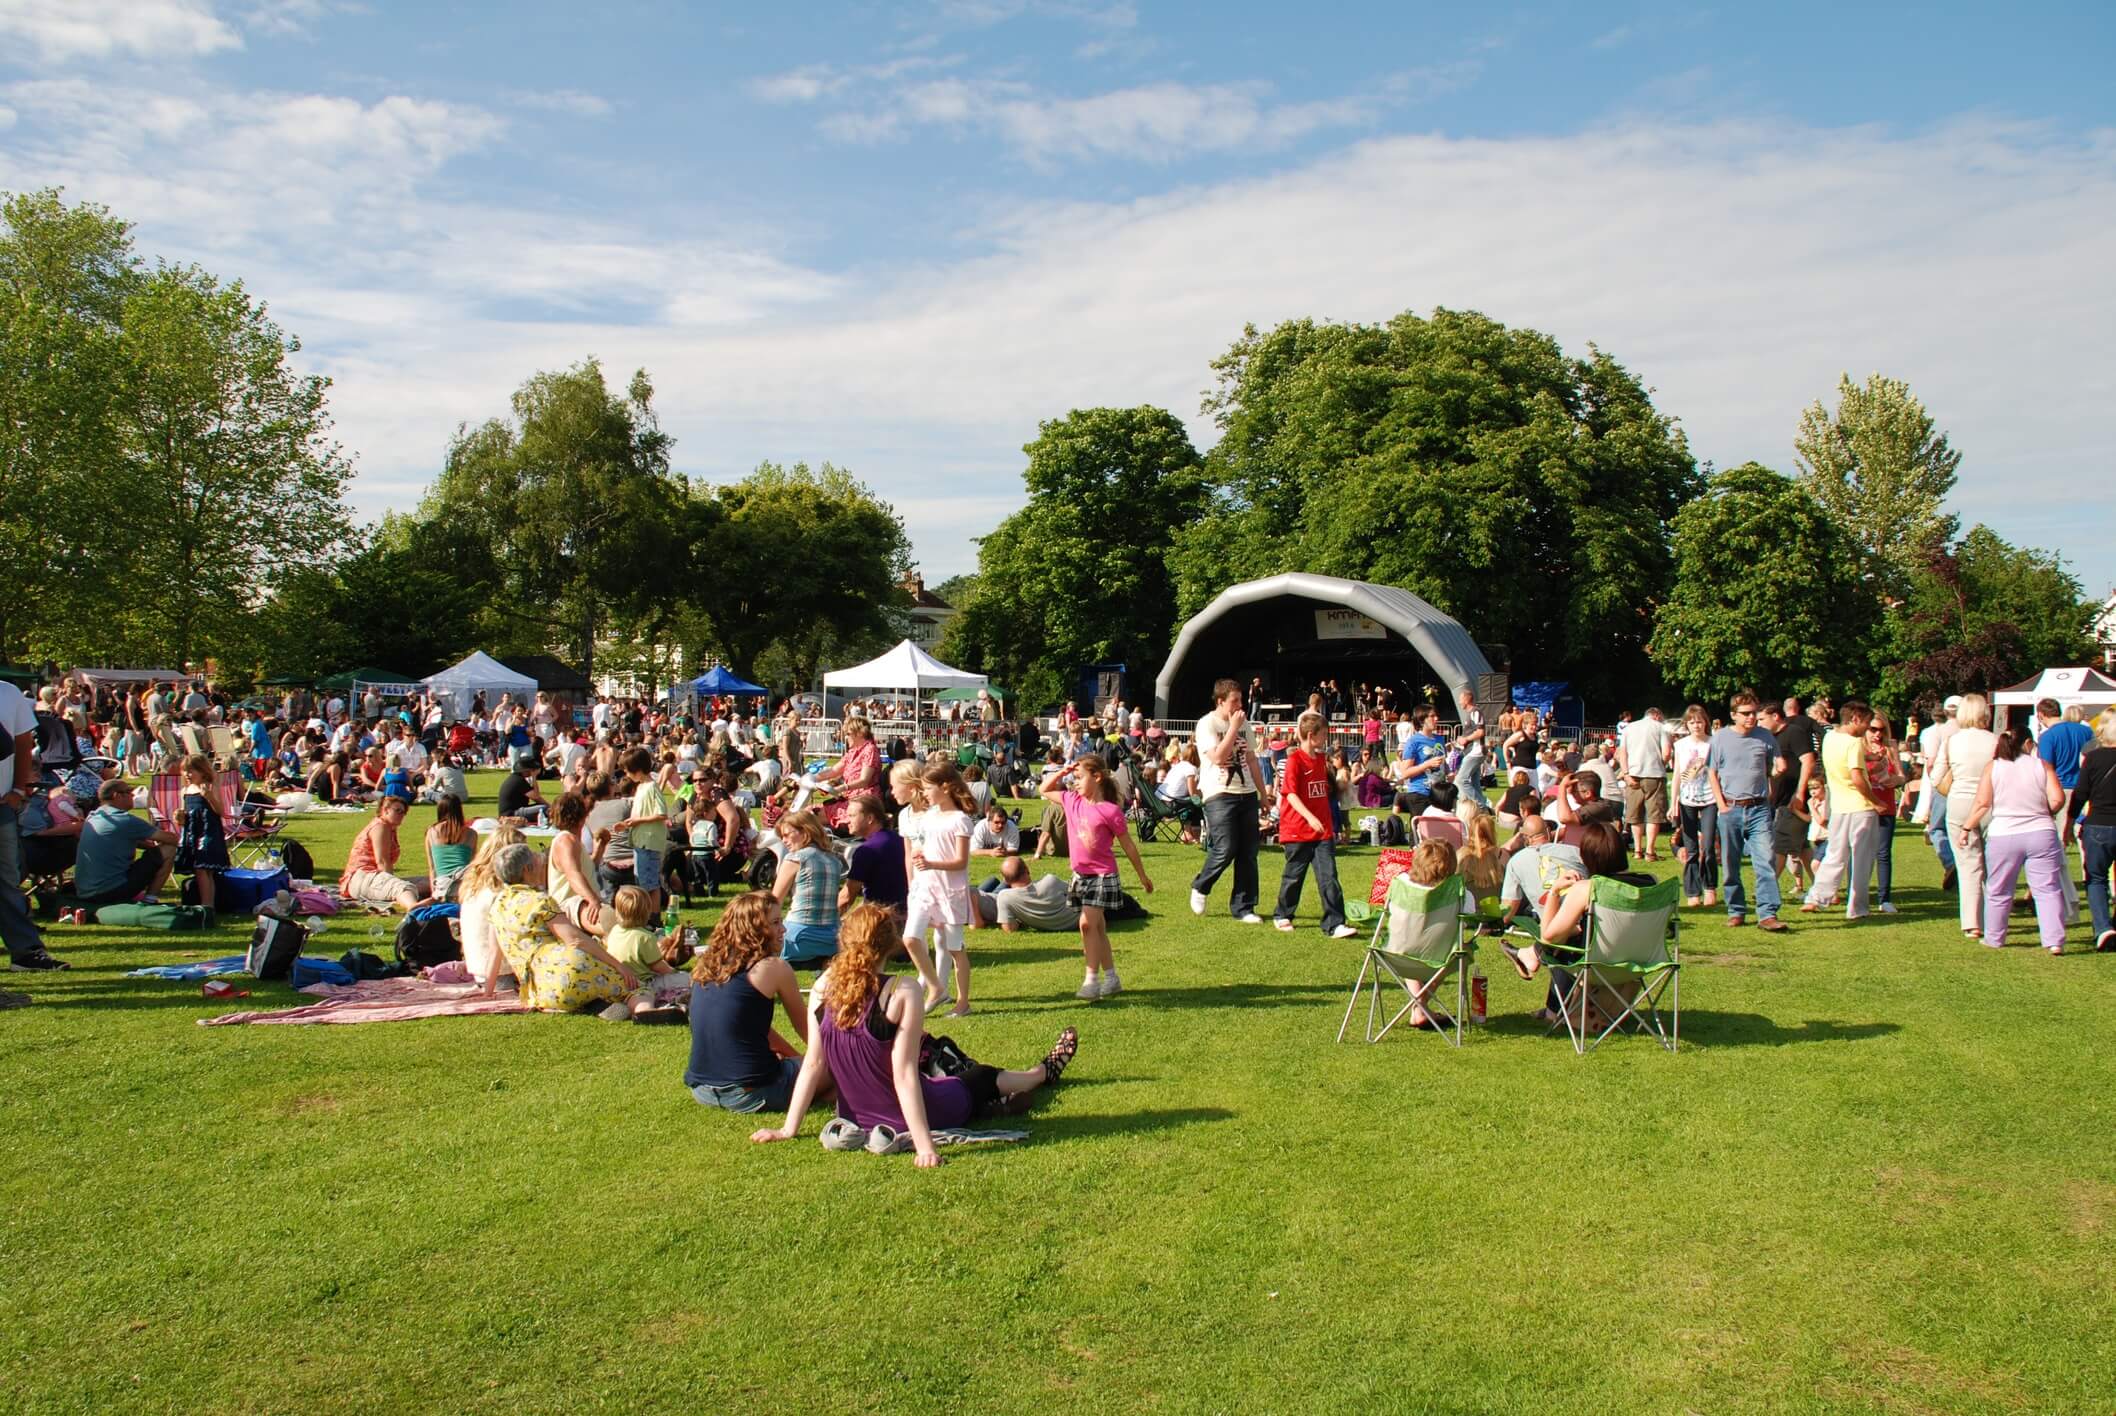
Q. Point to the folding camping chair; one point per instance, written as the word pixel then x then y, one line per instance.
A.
pixel 1163 820
pixel 165 800
pixel 1426 944
pixel 1439 828
pixel 253 831
pixel 1629 956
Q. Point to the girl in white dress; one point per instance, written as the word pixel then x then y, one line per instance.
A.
pixel 937 859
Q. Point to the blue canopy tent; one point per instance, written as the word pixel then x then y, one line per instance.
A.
pixel 1552 699
pixel 718 680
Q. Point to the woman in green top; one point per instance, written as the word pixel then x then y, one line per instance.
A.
pixel 449 846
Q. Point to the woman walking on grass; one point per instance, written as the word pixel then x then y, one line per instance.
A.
pixel 1093 821
pixel 2017 801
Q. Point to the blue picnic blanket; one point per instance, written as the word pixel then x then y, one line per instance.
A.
pixel 192 973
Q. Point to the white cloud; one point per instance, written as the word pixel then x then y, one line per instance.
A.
pixel 569 101
pixel 60 30
pixel 803 85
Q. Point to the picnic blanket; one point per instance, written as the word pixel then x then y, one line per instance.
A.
pixel 192 973
pixel 380 1000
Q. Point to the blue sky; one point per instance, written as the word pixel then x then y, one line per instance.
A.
pixel 896 236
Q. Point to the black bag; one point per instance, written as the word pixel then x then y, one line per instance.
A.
pixel 425 941
pixel 1392 832
pixel 940 1057
pixel 274 946
pixel 296 858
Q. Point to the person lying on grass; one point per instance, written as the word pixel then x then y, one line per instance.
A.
pixel 868 1031
pixel 738 1061
pixel 1564 912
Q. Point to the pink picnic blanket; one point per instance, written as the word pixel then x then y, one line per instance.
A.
pixel 381 1000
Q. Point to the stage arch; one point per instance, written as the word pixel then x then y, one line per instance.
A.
pixel 1298 621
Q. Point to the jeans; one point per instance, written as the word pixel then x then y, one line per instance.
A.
pixel 1936 832
pixel 16 927
pixel 1885 860
pixel 773 1095
pixel 1746 830
pixel 1231 839
pixel 1699 826
pixel 1323 856
pixel 2098 844
pixel 2005 858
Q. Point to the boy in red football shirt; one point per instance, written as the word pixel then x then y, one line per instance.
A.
pixel 1304 829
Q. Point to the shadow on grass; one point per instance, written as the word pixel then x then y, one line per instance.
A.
pixel 1127 1123
pixel 1708 1028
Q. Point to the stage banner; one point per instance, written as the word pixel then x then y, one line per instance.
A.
pixel 1347 624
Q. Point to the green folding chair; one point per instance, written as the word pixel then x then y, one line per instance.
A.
pixel 1418 943
pixel 1630 954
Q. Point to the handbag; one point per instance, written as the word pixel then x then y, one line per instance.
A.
pixel 274 946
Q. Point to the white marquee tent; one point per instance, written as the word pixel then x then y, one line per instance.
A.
pixel 480 673
pixel 2090 689
pixel 906 668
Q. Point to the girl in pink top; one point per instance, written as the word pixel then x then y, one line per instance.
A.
pixel 2019 797
pixel 1093 820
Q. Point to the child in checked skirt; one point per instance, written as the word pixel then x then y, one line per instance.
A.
pixel 1093 822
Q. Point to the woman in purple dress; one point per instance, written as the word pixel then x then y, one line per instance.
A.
pixel 866 1037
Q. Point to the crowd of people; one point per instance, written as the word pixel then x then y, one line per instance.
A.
pixel 1769 804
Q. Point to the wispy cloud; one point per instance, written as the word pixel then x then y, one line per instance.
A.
pixel 57 31
pixel 570 101
pixel 1611 39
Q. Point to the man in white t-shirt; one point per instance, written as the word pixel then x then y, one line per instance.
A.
pixel 18 773
pixel 1229 777
pixel 1642 760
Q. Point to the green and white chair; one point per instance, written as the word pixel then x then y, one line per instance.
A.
pixel 1629 955
pixel 1418 943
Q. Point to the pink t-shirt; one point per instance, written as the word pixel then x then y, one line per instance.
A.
pixel 1092 826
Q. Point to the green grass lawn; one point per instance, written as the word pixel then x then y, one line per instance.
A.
pixel 1879 1176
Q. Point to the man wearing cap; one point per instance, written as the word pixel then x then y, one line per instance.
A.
pixel 1932 747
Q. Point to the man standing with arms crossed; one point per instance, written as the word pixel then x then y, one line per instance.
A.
pixel 1228 777
pixel 1642 760
pixel 1739 764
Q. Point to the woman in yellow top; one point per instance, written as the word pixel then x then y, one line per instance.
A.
pixel 559 967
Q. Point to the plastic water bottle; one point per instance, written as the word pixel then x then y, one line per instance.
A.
pixel 669 920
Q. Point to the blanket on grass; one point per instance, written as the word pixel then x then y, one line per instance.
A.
pixel 380 1000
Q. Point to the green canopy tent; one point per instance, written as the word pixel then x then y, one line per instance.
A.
pixel 288 681
pixel 21 677
pixel 969 695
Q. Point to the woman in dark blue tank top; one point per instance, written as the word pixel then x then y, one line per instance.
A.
pixel 738 1063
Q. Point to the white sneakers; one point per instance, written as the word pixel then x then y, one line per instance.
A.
pixel 1251 918
pixel 1088 989
pixel 1092 987
pixel 1344 931
pixel 1197 902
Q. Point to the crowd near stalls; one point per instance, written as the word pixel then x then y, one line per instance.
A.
pixel 612 809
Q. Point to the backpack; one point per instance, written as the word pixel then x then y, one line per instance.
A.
pixel 426 937
pixel 1390 831
pixel 297 860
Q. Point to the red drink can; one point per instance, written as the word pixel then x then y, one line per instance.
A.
pixel 1476 996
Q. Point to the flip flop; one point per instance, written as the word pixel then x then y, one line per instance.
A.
pixel 1513 956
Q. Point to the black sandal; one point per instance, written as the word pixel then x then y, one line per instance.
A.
pixel 1060 1056
pixel 1513 956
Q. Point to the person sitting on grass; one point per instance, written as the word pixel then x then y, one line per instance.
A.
pixel 370 866
pixel 633 942
pixel 995 833
pixel 573 885
pixel 807 889
pixel 519 800
pixel 1015 902
pixel 475 895
pixel 106 871
pixel 202 846
pixel 450 844
pixel 1563 913
pixel 738 1060
pixel 558 966
pixel 1483 866
pixel 868 1032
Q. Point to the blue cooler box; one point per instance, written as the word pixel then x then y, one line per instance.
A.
pixel 241 891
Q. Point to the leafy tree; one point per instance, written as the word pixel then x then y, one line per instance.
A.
pixel 808 565
pixel 65 276
pixel 230 477
pixel 572 506
pixel 1524 492
pixel 1882 468
pixel 398 600
pixel 1769 593
pixel 957 590
pixel 1984 614
pixel 1081 574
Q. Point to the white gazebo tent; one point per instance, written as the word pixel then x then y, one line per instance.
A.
pixel 904 669
pixel 2089 689
pixel 480 673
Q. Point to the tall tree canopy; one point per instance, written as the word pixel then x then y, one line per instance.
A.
pixel 1770 593
pixel 806 567
pixel 1984 614
pixel 1081 575
pixel 1524 492
pixel 1882 468
pixel 573 507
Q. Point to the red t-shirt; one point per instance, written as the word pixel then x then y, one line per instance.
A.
pixel 1307 776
